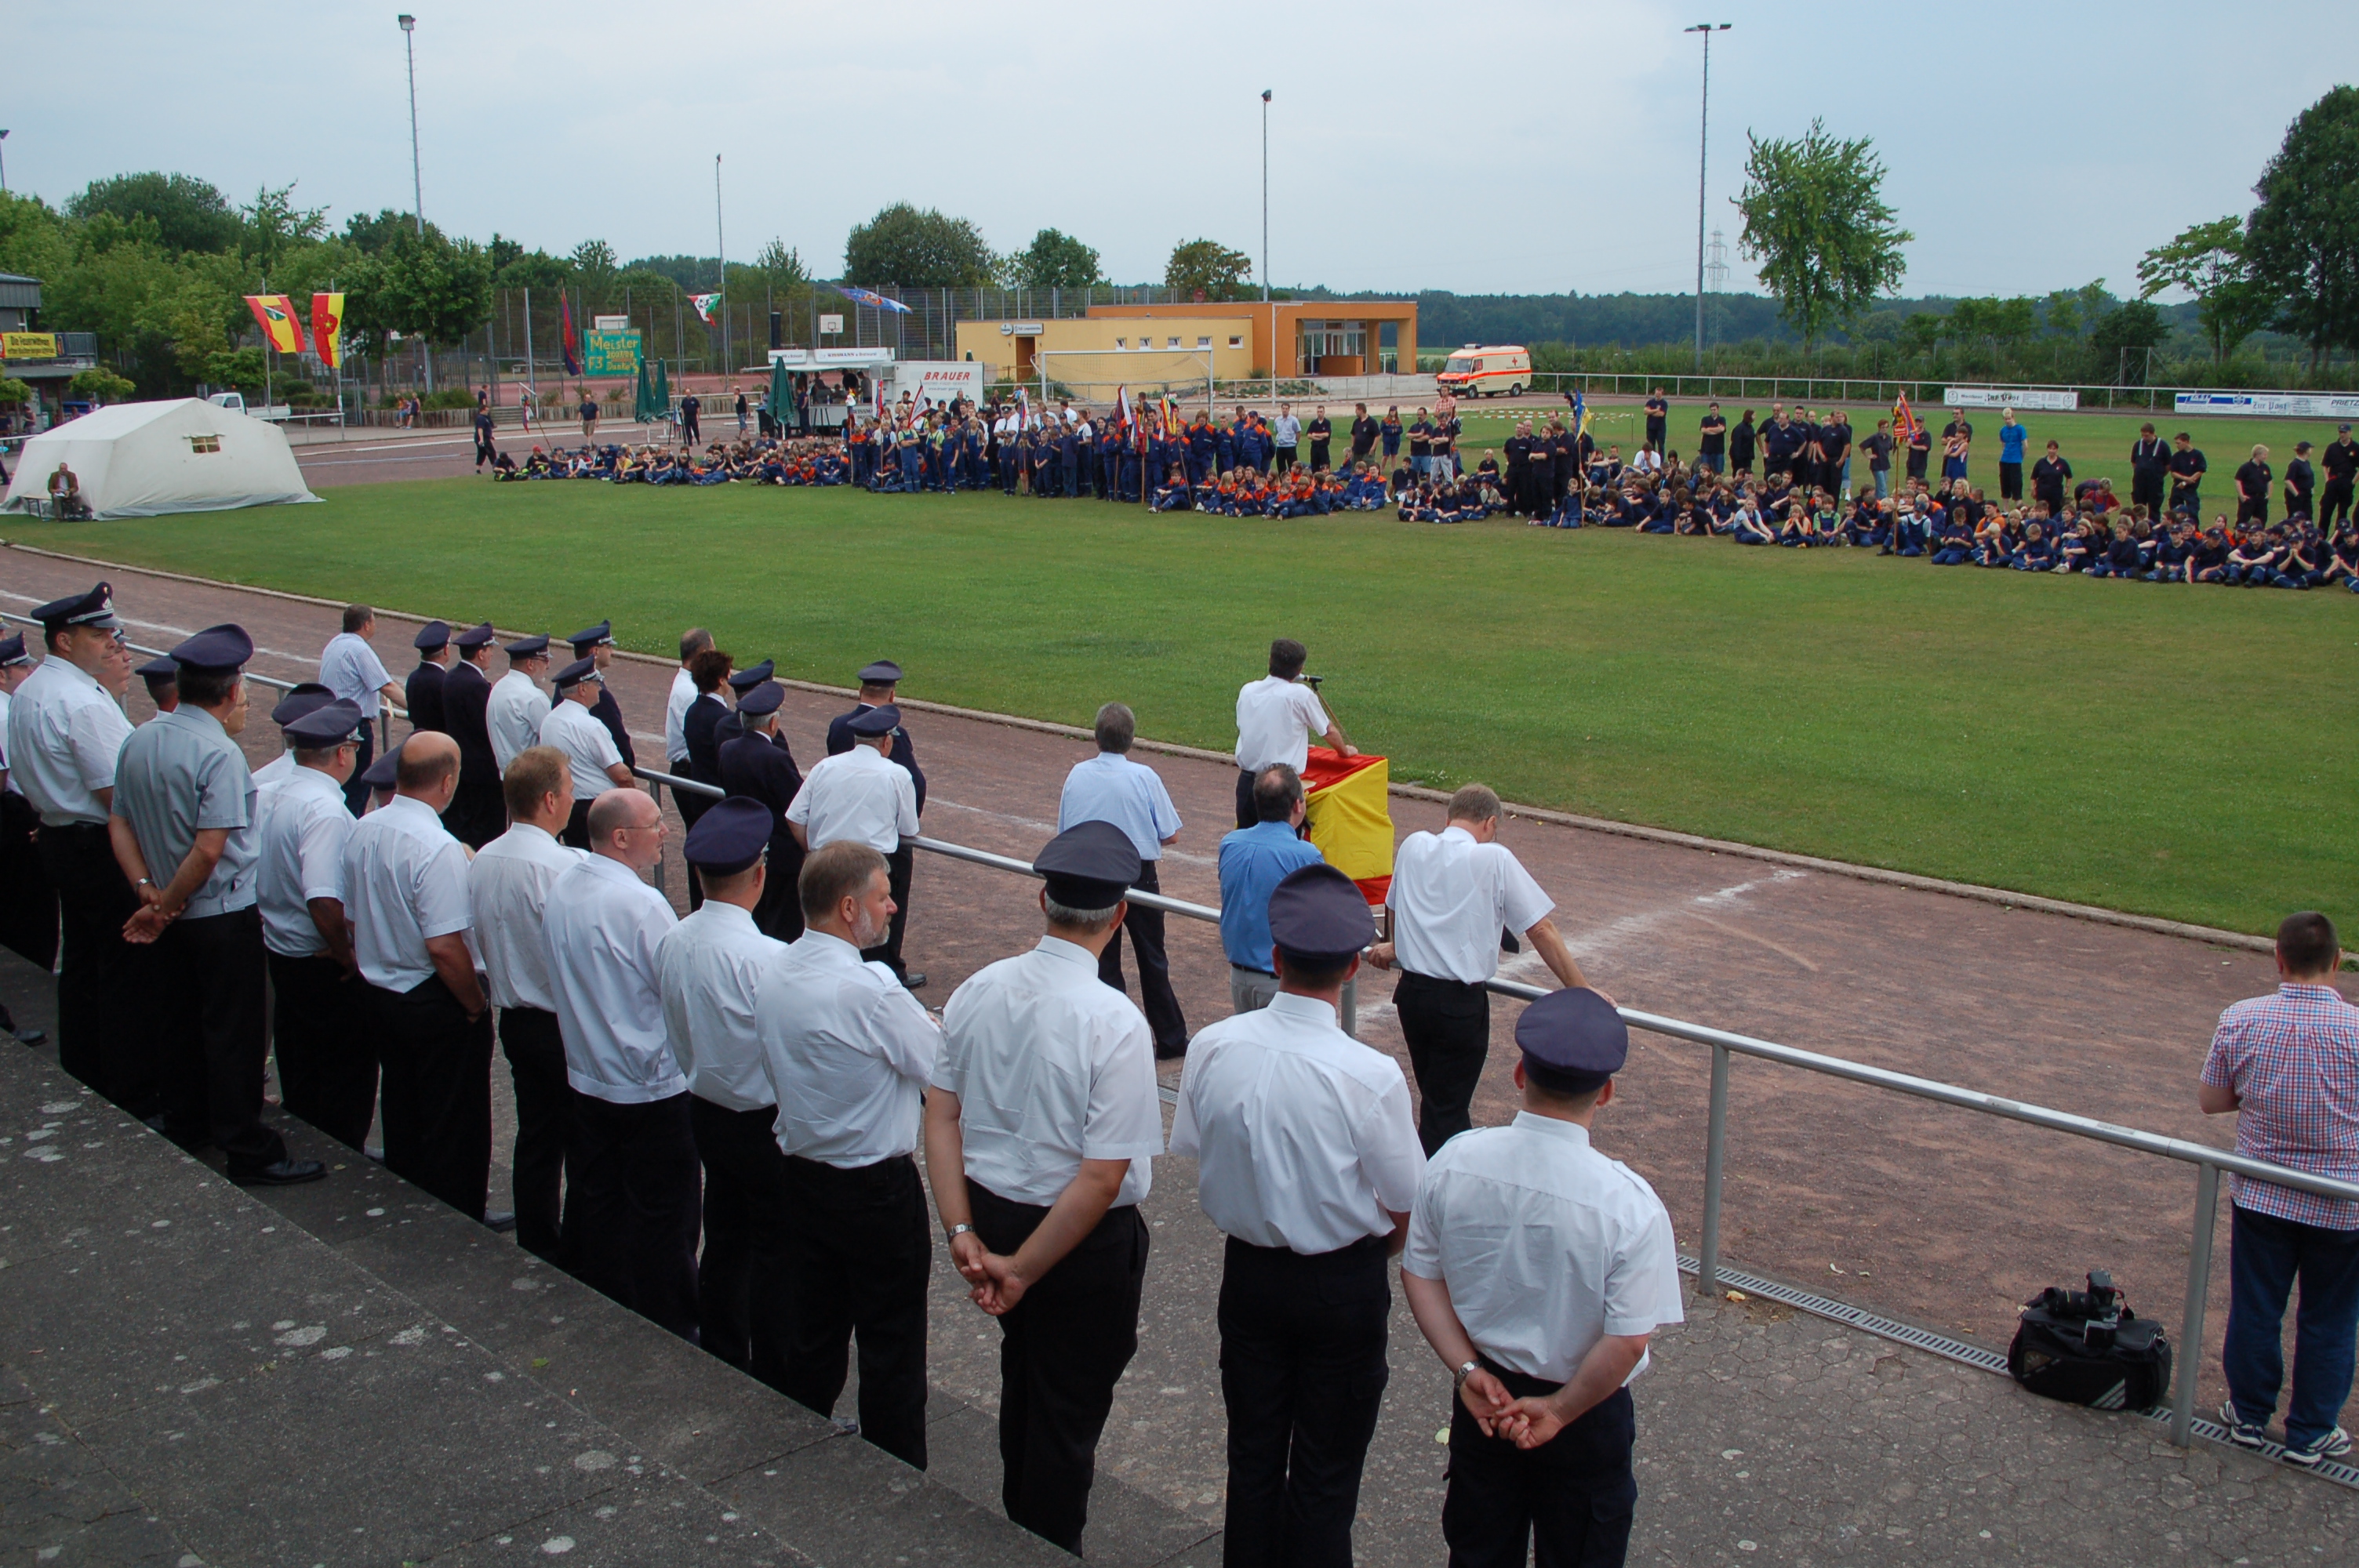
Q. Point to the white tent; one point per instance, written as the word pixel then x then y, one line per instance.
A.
pixel 143 459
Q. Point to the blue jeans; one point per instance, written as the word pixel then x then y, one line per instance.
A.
pixel 1883 482
pixel 2266 1255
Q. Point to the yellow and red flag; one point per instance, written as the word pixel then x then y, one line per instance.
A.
pixel 328 329
pixel 276 313
pixel 1349 816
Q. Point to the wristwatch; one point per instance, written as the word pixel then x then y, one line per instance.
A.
pixel 958 1230
pixel 1464 1372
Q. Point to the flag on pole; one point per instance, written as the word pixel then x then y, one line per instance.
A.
pixel 1168 426
pixel 1122 406
pixel 1023 410
pixel 328 329
pixel 1580 414
pixel 1348 816
pixel 1904 421
pixel 869 298
pixel 569 341
pixel 704 304
pixel 275 315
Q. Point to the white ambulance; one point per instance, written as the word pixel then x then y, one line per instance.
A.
pixel 1487 370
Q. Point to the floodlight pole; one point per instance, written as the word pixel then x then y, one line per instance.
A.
pixel 4 164
pixel 721 244
pixel 1264 245
pixel 417 180
pixel 1704 146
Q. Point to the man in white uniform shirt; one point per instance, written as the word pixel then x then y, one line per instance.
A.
pixel 1110 787
pixel 517 705
pixel 709 971
pixel 508 884
pixel 866 798
pixel 594 761
pixel 631 1210
pixel 351 670
pixel 1307 1161
pixel 66 728
pixel 692 641
pixel 1452 893
pixel 1276 716
pixel 1040 1133
pixel 1538 1268
pixel 29 912
pixel 327 1074
pixel 849 1052
pixel 305 697
pixel 406 895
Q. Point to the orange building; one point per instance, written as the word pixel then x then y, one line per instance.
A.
pixel 1307 337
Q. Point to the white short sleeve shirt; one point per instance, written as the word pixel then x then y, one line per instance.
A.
pixel 848 1051
pixel 508 884
pixel 676 707
pixel 513 714
pixel 710 971
pixel 861 793
pixel 303 824
pixel 1451 898
pixel 350 668
pixel 589 747
pixel 65 734
pixel 604 927
pixel 405 881
pixel 1275 719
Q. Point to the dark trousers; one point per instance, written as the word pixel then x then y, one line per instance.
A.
pixel 2267 1254
pixel 106 1032
pixel 478 812
pixel 326 1050
pixel 740 1275
pixel 1246 815
pixel 1144 927
pixel 2010 481
pixel 577 827
pixel 1302 1376
pixel 691 806
pixel 436 1092
pixel 1446 1026
pixel 858 1247
pixel 544 1101
pixel 780 913
pixel 208 974
pixel 1575 1493
pixel 28 904
pixel 356 793
pixel 897 866
pixel 1061 1352
pixel 631 1211
pixel 2145 490
pixel 2334 504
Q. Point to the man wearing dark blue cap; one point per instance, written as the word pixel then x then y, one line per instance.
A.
pixel 1308 1161
pixel 728 728
pixel 757 765
pixel 1040 1134
pixel 518 704
pixel 708 971
pixel 182 826
pixel 595 764
pixel 475 816
pixel 880 685
pixel 597 643
pixel 1542 1337
pixel 66 731
pixel 863 794
pixel 29 905
pixel 161 677
pixel 304 697
pixel 422 692
pixel 327 1067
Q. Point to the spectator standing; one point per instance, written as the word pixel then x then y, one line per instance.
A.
pixel 2341 461
pixel 1276 716
pixel 2011 436
pixel 2049 475
pixel 2300 485
pixel 2253 480
pixel 1111 788
pixel 1711 441
pixel 1286 435
pixel 1957 445
pixel 589 414
pixel 2288 1065
pixel 2188 468
pixel 1741 443
pixel 1658 419
pixel 2149 463
pixel 1878 448
pixel 353 672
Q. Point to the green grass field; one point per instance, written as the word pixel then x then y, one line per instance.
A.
pixel 2176 751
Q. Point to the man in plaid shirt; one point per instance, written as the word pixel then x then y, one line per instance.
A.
pixel 2289 1065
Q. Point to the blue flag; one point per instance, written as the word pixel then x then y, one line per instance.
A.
pixel 870 297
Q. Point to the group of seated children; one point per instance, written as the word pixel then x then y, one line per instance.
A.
pixel 767 460
pixel 1297 491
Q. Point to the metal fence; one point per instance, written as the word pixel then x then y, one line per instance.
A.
pixel 2208 1162
pixel 1923 395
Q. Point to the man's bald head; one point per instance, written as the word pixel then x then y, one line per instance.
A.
pixel 427 758
pixel 626 825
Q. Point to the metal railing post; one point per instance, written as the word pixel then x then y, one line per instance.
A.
pixel 655 793
pixel 2198 1293
pixel 1715 1154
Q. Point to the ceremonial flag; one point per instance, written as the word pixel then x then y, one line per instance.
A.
pixel 1168 426
pixel 328 329
pixel 869 298
pixel 569 342
pixel 1904 422
pixel 704 304
pixel 276 313
pixel 1122 406
pixel 1023 410
pixel 1580 414
pixel 1349 817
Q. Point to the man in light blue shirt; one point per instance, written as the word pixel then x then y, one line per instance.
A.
pixel 1253 862
pixel 351 670
pixel 1112 788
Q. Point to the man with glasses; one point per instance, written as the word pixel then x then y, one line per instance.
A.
pixel 66 729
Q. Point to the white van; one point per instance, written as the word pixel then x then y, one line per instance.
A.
pixel 1487 370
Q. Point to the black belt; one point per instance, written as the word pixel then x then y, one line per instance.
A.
pixel 1265 974
pixel 1364 1243
pixel 1443 980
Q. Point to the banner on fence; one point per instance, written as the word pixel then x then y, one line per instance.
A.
pixel 940 380
pixel 2275 405
pixel 610 353
pixel 28 345
pixel 2010 397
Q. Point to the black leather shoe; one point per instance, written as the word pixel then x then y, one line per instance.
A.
pixel 500 1219
pixel 1170 1053
pixel 285 1173
pixel 914 979
pixel 29 1036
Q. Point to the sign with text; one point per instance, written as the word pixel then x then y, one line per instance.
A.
pixel 939 380
pixel 2010 397
pixel 28 345
pixel 610 353
pixel 2267 404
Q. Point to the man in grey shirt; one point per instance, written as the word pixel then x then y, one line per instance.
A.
pixel 182 824
pixel 1286 435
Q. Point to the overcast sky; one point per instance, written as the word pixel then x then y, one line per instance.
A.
pixel 1484 146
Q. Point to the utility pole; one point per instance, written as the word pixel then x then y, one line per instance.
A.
pixel 4 165
pixel 1265 243
pixel 1703 147
pixel 417 181
pixel 721 244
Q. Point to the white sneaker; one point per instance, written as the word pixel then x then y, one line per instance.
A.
pixel 2329 1445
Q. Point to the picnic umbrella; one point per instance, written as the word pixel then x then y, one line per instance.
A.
pixel 644 406
pixel 781 398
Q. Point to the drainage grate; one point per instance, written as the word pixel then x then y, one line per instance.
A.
pixel 1958 1350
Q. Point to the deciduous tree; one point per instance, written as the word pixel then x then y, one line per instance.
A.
pixel 915 250
pixel 2302 241
pixel 1816 221
pixel 1206 269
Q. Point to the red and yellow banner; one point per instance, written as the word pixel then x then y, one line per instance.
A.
pixel 328 329
pixel 1349 816
pixel 276 313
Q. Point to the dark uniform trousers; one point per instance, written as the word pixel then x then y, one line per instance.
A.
pixel 478 812
pixel 1302 1375
pixel 740 1275
pixel 326 1050
pixel 1447 1027
pixel 435 1094
pixel 208 974
pixel 1246 815
pixel 1061 1349
pixel 29 905
pixel 356 792
pixel 1144 927
pixel 858 1249
pixel 897 866
pixel 544 1100
pixel 106 1031
pixel 1575 1493
pixel 576 834
pixel 631 1208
